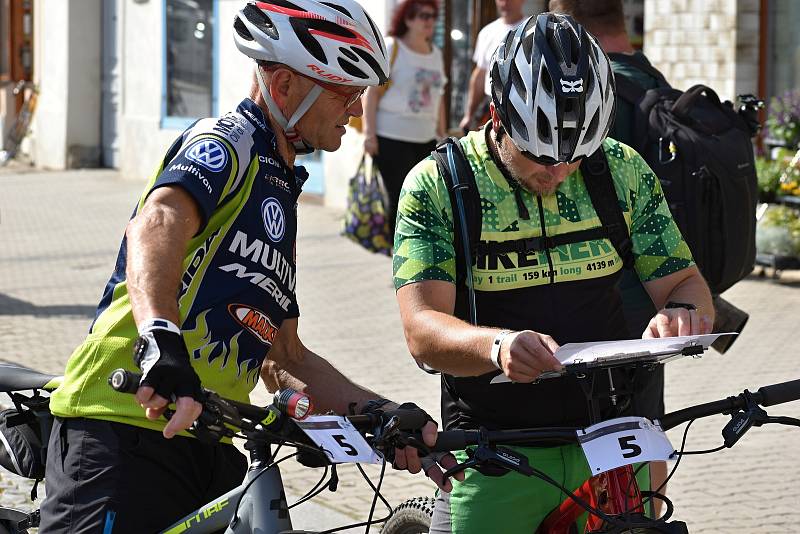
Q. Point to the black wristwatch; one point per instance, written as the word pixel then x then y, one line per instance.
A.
pixel 686 306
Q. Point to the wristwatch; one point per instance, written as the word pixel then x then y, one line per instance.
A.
pixel 686 306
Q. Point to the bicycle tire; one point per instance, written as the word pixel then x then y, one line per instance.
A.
pixel 411 517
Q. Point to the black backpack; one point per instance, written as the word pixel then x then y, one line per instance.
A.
pixel 702 152
pixel 467 215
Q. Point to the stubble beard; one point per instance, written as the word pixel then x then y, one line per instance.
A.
pixel 531 182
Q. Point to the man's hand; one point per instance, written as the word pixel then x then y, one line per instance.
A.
pixel 466 122
pixel 167 376
pixel 527 354
pixel 408 458
pixel 434 465
pixel 371 145
pixel 671 322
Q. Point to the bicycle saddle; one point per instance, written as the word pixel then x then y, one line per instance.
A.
pixel 15 377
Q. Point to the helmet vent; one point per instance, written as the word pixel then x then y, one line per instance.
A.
pixel 566 146
pixel 259 19
pixel 591 130
pixel 546 81
pixel 518 83
pixel 376 34
pixel 543 127
pixel 301 28
pixel 242 30
pixel 348 54
pixel 351 69
pixel 590 81
pixel 382 76
pixel 517 123
pixel 338 8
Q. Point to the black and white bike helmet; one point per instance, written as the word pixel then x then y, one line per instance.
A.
pixel 553 89
pixel 333 41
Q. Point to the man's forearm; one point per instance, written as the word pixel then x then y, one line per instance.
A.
pixel 475 93
pixel 156 244
pixel 329 389
pixel 693 290
pixel 449 344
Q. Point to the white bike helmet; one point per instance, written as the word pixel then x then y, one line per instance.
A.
pixel 334 42
pixel 553 89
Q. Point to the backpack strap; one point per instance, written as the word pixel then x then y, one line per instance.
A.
pixel 600 186
pixel 466 205
pixel 639 62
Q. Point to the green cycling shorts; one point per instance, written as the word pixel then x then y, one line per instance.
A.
pixel 513 503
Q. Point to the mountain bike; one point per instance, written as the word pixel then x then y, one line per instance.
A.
pixel 259 503
pixel 21 126
pixel 613 499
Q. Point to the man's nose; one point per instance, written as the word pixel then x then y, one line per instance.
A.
pixel 357 109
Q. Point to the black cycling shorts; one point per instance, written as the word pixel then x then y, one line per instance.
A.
pixel 105 477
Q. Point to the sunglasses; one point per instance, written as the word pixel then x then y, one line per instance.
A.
pixel 425 15
pixel 344 91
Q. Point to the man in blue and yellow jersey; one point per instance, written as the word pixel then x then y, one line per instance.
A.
pixel 205 281
pixel 548 271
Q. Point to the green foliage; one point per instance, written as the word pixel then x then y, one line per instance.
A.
pixel 778 231
pixel 783 118
pixel 769 178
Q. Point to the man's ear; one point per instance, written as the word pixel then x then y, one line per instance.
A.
pixel 495 117
pixel 280 85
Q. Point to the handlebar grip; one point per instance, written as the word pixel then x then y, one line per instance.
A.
pixel 409 419
pixel 454 440
pixel 124 381
pixel 780 393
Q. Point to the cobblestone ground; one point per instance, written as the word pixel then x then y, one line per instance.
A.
pixel 59 234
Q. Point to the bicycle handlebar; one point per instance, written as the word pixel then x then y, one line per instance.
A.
pixel 128 382
pixel 452 440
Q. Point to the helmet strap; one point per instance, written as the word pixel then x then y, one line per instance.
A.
pixel 288 126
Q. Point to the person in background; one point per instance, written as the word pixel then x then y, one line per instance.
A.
pixel 403 123
pixel 489 38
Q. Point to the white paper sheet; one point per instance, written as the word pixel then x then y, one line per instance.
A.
pixel 605 350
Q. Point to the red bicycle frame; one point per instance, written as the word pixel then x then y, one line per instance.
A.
pixel 613 492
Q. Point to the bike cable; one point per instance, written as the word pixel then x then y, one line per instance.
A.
pixel 369 522
pixel 235 518
pixel 679 454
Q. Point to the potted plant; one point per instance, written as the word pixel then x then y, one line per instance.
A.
pixel 783 120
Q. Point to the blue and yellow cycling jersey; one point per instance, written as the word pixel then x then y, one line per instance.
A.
pixel 239 276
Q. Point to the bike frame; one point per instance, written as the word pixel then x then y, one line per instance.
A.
pixel 263 506
pixel 613 492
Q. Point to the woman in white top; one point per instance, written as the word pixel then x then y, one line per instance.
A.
pixel 402 124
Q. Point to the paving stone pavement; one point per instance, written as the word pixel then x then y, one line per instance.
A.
pixel 59 235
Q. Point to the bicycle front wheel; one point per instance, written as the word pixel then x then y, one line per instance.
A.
pixel 411 517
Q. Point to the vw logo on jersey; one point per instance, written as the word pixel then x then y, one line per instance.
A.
pixel 274 219
pixel 209 153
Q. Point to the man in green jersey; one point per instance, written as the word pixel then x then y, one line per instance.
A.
pixel 204 285
pixel 552 105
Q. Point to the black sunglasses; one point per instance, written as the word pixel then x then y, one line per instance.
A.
pixel 425 15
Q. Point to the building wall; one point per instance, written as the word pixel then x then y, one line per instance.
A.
pixel 67 119
pixel 713 42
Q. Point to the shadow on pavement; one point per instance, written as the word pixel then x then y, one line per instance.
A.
pixel 12 306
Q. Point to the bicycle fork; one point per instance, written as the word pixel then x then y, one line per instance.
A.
pixel 613 492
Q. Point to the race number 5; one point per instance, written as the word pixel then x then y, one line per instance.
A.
pixel 629 447
pixel 623 441
pixel 339 439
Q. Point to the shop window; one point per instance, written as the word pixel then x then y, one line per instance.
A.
pixel 16 40
pixel 5 41
pixel 783 63
pixel 189 91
